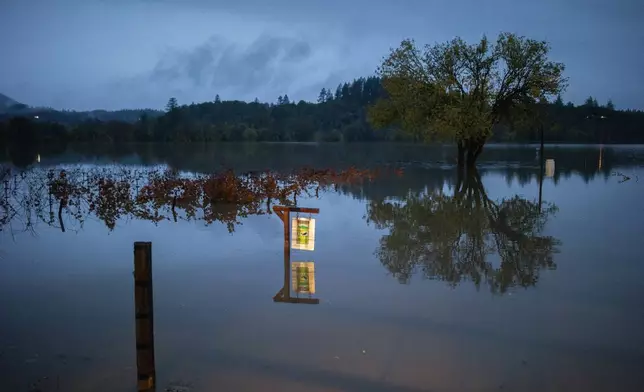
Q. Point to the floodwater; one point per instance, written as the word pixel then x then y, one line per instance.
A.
pixel 503 280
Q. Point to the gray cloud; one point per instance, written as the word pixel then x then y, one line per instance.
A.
pixel 268 66
pixel 225 66
pixel 85 54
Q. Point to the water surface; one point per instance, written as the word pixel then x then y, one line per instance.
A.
pixel 507 280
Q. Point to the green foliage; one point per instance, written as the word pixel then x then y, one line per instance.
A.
pixel 458 92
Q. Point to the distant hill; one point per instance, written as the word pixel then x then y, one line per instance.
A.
pixel 8 104
pixel 10 108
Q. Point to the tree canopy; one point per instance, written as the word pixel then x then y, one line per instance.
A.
pixel 458 92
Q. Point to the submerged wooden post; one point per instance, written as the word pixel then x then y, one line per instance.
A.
pixel 144 315
pixel 284 215
pixel 287 254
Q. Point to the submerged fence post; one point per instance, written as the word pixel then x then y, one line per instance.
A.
pixel 144 316
pixel 283 213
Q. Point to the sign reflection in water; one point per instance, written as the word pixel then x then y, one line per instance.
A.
pixel 550 168
pixel 303 277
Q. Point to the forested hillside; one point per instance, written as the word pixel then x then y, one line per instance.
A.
pixel 338 115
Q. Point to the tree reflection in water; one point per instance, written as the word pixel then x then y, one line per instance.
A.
pixel 453 238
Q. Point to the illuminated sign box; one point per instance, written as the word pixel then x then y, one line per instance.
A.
pixel 303 233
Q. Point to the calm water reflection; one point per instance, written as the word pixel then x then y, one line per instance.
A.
pixel 426 281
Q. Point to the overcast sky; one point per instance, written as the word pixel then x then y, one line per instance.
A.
pixel 137 53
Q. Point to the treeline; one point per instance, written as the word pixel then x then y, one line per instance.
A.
pixel 567 123
pixel 72 117
pixel 338 115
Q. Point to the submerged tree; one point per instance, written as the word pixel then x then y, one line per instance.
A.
pixel 58 196
pixel 458 92
pixel 453 238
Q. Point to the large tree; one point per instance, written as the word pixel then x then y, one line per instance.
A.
pixel 457 92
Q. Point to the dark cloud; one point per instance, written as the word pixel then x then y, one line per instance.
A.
pixel 225 65
pixel 299 51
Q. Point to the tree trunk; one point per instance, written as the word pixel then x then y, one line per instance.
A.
pixel 461 154
pixel 479 150
pixel 468 152
pixel 474 149
pixel 460 176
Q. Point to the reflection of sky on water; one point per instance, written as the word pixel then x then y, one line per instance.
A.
pixel 71 293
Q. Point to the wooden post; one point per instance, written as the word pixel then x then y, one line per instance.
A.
pixel 284 215
pixel 287 254
pixel 144 315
